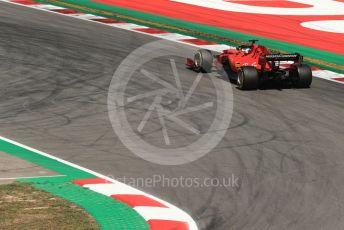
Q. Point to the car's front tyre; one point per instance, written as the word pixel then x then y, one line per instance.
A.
pixel 203 61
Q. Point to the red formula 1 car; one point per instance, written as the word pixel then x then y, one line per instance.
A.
pixel 250 65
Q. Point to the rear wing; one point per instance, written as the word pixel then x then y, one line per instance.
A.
pixel 284 57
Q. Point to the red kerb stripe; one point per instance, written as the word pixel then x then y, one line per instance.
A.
pixel 106 20
pixel 138 200
pixel 315 68
pixel 167 225
pixel 67 11
pixel 198 41
pixel 151 31
pixel 83 182
pixel 341 79
pixel 26 2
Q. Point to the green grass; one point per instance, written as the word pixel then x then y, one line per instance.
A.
pixel 24 207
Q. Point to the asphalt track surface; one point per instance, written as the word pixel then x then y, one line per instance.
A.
pixel 286 146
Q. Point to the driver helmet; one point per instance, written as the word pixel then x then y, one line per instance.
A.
pixel 247 50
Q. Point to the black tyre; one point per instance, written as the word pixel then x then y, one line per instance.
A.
pixel 248 78
pixel 203 61
pixel 302 76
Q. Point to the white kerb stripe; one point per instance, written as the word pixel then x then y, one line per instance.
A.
pixel 87 16
pixel 217 48
pixel 173 37
pixel 48 7
pixel 158 213
pixel 130 26
pixel 325 74
pixel 114 189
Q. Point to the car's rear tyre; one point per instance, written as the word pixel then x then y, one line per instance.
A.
pixel 302 76
pixel 203 61
pixel 248 78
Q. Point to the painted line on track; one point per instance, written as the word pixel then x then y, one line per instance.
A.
pixel 175 37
